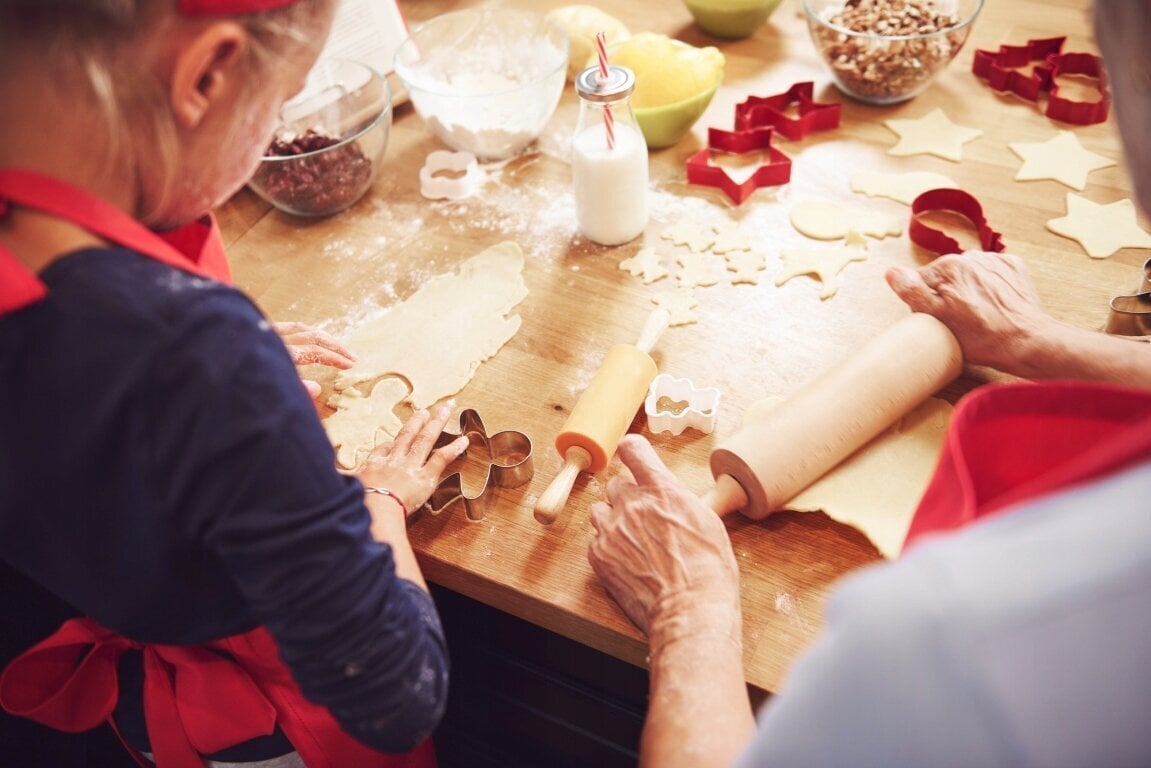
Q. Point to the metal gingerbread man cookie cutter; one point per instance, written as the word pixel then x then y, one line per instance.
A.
pixel 508 456
pixel 1131 315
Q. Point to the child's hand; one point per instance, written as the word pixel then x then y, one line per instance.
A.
pixel 309 345
pixel 407 466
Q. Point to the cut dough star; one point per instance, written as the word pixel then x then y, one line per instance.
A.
pixel 824 263
pixel 694 235
pixel 696 271
pixel 679 304
pixel 1061 158
pixel 932 134
pixel 729 237
pixel 746 265
pixel 645 265
pixel 1100 229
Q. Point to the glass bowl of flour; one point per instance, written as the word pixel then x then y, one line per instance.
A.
pixel 485 80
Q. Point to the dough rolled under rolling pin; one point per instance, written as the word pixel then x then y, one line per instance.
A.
pixel 602 414
pixel 761 467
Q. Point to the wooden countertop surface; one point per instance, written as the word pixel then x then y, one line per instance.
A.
pixel 750 341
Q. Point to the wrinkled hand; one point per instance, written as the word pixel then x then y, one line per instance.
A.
pixel 986 299
pixel 407 466
pixel 309 345
pixel 661 553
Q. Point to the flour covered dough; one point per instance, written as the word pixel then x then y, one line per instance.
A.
pixel 877 489
pixel 425 348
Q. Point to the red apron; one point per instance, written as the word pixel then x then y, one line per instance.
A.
pixel 197 699
pixel 1009 443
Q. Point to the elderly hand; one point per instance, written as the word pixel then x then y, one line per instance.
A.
pixel 407 466
pixel 986 299
pixel 662 554
pixel 309 345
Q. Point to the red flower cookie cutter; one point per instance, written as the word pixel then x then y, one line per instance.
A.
pixel 776 170
pixel 761 111
pixel 957 201
pixel 1002 70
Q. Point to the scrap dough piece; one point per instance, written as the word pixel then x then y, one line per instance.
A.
pixel 877 489
pixel 694 235
pixel 901 187
pixel 932 134
pixel 696 271
pixel 746 265
pixel 435 340
pixel 1061 158
pixel 730 237
pixel 1100 229
pixel 679 304
pixel 825 263
pixel 825 220
pixel 645 265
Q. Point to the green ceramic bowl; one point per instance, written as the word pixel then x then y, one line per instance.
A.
pixel 731 19
pixel 666 124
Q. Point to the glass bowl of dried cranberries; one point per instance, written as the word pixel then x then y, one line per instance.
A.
pixel 330 142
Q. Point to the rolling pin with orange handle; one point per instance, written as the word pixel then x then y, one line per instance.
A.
pixel 602 414
pixel 761 467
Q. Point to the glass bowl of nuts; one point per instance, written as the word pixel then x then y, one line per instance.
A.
pixel 887 51
pixel 330 142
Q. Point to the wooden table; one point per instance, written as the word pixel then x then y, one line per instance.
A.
pixel 750 341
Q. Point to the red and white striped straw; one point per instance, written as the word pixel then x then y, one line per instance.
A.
pixel 604 75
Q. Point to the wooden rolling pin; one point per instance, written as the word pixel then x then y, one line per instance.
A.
pixel 761 467
pixel 602 414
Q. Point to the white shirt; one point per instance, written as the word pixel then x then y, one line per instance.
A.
pixel 1022 640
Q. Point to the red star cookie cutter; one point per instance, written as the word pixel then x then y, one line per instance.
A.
pixel 957 201
pixel 760 111
pixel 1003 71
pixel 776 170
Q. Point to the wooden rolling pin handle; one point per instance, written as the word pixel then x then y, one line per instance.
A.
pixel 726 496
pixel 553 499
pixel 653 328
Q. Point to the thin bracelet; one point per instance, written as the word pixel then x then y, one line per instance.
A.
pixel 389 494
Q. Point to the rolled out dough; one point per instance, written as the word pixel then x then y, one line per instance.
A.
pixel 425 348
pixel 877 489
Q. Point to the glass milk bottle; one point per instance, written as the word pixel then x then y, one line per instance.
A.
pixel 609 159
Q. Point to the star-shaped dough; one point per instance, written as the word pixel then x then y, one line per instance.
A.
pixel 729 237
pixel 696 271
pixel 679 304
pixel 932 134
pixel 746 265
pixel 1100 229
pixel 1061 158
pixel 645 265
pixel 824 263
pixel 694 235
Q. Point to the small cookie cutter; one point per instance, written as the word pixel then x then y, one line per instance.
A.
pixel 508 455
pixel 1000 70
pixel 1131 315
pixel 759 111
pixel 436 186
pixel 958 201
pixel 777 169
pixel 700 410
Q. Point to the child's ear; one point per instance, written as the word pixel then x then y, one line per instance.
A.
pixel 205 68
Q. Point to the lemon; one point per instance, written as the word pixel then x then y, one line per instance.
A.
pixel 582 23
pixel 667 70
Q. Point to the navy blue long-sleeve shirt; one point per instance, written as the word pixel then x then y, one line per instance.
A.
pixel 163 470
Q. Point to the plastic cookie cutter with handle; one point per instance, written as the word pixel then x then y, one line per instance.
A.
pixel 673 405
pixel 448 175
pixel 957 201
pixel 773 169
pixel 507 454
pixel 760 111
pixel 1131 315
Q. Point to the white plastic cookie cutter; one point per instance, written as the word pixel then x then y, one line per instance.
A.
pixel 673 405
pixel 448 175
